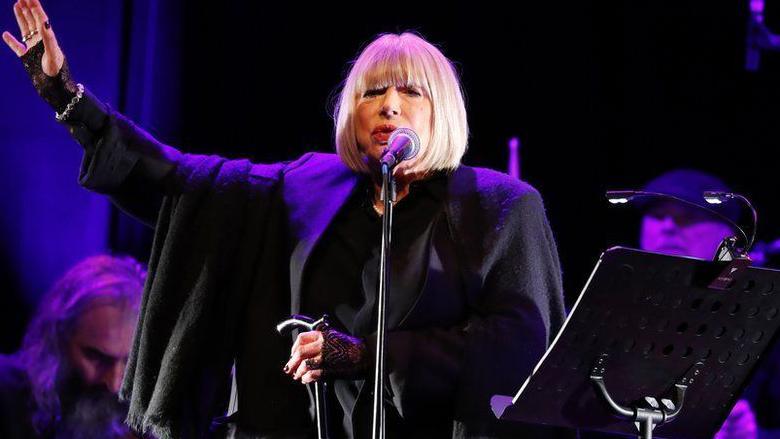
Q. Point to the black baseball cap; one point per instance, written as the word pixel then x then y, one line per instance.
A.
pixel 690 185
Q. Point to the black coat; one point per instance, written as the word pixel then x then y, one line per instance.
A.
pixel 231 244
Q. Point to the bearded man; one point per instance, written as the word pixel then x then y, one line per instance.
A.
pixel 64 381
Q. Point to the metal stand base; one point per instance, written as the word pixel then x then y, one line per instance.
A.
pixel 645 418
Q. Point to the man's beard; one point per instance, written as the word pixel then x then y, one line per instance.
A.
pixel 89 412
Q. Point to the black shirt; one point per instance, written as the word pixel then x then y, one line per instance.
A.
pixel 342 275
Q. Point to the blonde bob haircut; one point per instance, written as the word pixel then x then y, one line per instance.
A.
pixel 403 60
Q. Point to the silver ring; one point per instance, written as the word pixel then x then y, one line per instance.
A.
pixel 29 36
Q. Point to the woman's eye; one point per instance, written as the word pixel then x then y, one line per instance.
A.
pixel 373 92
pixel 412 92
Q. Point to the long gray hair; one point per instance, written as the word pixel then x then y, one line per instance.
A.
pixel 109 279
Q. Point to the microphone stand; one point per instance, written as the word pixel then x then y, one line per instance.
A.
pixel 388 196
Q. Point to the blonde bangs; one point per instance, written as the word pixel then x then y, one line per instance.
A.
pixel 394 66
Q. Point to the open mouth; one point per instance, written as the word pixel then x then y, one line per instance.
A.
pixel 381 133
pixel 381 138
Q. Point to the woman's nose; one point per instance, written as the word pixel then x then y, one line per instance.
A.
pixel 391 104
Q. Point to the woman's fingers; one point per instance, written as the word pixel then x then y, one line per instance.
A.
pixel 311 376
pixel 53 58
pixel 307 366
pixel 42 24
pixel 304 338
pixel 307 345
pixel 299 356
pixel 31 28
pixel 18 48
pixel 24 28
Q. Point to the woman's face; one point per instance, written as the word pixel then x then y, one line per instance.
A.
pixel 379 111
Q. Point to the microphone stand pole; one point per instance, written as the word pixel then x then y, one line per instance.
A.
pixel 388 196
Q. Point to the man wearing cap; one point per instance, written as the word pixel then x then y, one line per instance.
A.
pixel 675 228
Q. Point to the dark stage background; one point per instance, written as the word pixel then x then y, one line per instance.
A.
pixel 602 95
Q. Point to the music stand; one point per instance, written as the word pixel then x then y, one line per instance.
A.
pixel 666 338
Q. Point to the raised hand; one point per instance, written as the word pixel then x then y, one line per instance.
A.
pixel 34 27
pixel 42 58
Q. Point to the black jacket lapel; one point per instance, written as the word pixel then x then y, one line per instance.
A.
pixel 313 193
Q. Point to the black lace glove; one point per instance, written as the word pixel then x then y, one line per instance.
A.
pixel 58 90
pixel 343 356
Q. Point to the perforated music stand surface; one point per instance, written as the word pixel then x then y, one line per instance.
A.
pixel 655 316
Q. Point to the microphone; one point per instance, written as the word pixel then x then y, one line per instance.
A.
pixel 403 144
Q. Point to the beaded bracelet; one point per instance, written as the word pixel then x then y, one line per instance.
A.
pixel 71 104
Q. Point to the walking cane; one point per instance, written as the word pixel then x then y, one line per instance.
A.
pixel 298 321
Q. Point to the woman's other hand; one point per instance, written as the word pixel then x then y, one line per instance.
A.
pixel 306 357
pixel 34 27
pixel 327 354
